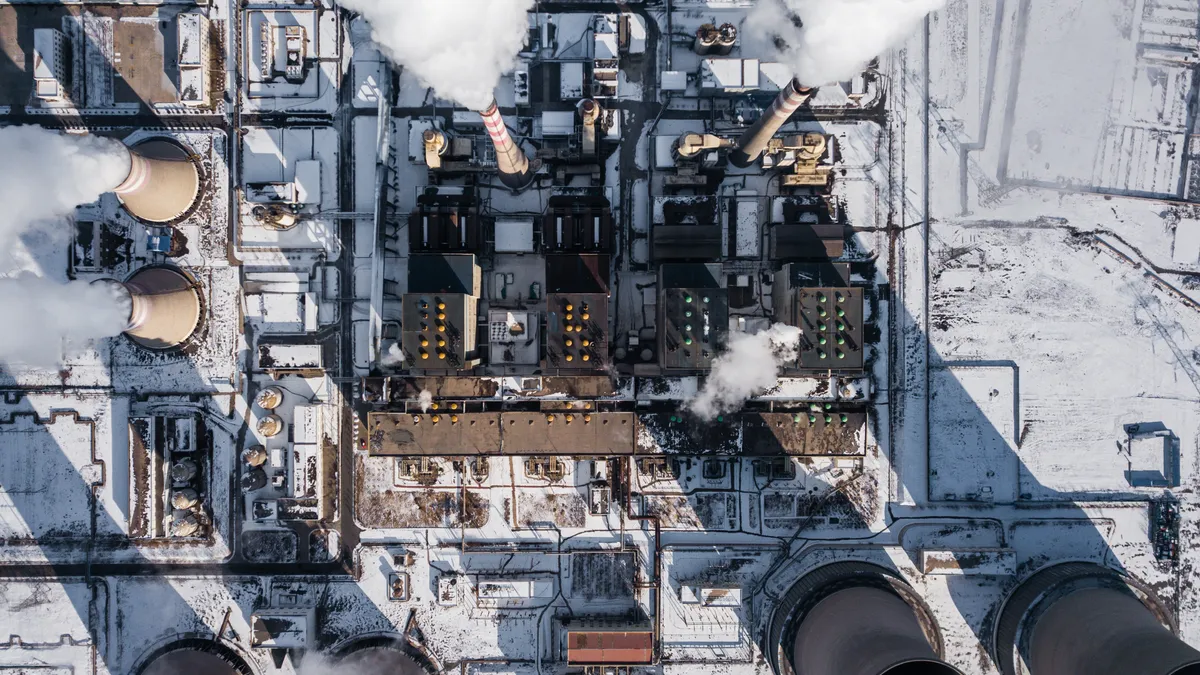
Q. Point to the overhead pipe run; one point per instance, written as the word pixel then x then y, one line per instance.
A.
pixel 755 139
pixel 511 161
pixel 162 183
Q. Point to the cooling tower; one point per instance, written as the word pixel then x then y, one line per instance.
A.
pixel 752 143
pixel 511 161
pixel 165 307
pixel 195 657
pixel 855 619
pixel 162 183
pixel 380 658
pixel 1084 619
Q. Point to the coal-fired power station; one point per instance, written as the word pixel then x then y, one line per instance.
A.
pixel 164 307
pixel 754 140
pixel 511 162
pixel 855 618
pixel 1084 619
pixel 162 184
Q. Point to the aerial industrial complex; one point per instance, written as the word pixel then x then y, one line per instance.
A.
pixel 676 337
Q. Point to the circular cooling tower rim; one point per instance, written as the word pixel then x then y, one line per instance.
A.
pixel 185 277
pixel 1044 586
pixel 821 582
pixel 208 657
pixel 405 660
pixel 163 147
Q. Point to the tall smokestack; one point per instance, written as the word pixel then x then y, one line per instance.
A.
pixel 856 619
pixel 162 183
pixel 1084 619
pixel 752 143
pixel 511 162
pixel 164 308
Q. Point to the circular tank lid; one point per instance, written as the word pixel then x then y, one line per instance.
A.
pixel 190 661
pixel 381 660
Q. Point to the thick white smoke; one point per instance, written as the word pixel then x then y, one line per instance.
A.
pixel 45 318
pixel 45 174
pixel 749 366
pixel 458 47
pixel 828 41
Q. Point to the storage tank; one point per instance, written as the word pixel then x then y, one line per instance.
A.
pixel 162 184
pixel 1084 619
pixel 855 618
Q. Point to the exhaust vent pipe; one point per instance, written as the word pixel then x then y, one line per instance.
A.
pixel 752 143
pixel 162 184
pixel 511 162
pixel 855 618
pixel 1084 619
pixel 164 308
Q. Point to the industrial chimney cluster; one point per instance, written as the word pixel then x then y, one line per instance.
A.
pixel 854 618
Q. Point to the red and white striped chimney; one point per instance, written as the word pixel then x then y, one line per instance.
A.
pixel 511 161
pixel 752 143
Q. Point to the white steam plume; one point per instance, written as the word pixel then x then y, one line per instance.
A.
pixel 45 174
pixel 41 315
pixel 425 399
pixel 458 47
pixel 749 366
pixel 828 41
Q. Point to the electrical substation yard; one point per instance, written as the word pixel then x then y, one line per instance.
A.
pixel 754 338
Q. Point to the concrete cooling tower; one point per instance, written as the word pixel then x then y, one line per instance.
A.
pixel 1084 619
pixel 165 307
pixel 195 657
pixel 855 619
pixel 379 658
pixel 754 140
pixel 162 184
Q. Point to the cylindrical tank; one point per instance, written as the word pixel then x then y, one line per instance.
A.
pixel 269 398
pixel 270 425
pixel 195 657
pixel 855 618
pixel 511 162
pixel 380 659
pixel 184 524
pixel 255 455
pixel 184 470
pixel 184 499
pixel 165 308
pixel 1084 619
pixel 706 39
pixel 726 38
pixel 162 184
pixel 752 143
pixel 276 216
pixel 254 479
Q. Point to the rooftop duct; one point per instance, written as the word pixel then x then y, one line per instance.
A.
pixel 162 184
pixel 856 619
pixel 755 139
pixel 511 161
pixel 164 307
pixel 1084 619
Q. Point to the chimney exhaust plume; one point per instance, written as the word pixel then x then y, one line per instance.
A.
pixel 511 161
pixel 752 143
pixel 162 182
